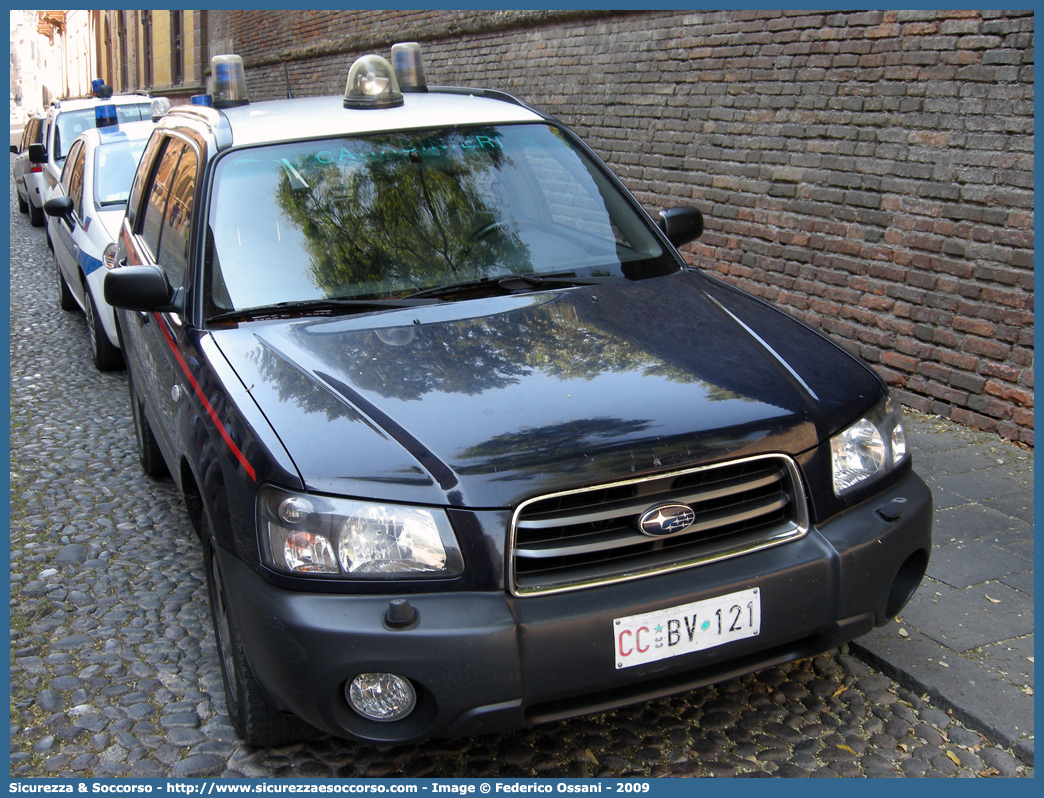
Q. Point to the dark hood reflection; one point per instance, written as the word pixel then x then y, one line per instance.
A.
pixel 585 384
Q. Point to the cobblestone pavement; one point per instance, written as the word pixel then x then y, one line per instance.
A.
pixel 114 669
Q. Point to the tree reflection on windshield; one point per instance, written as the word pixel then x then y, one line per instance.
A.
pixel 390 214
pixel 398 213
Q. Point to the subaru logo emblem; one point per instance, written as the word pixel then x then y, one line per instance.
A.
pixel 666 519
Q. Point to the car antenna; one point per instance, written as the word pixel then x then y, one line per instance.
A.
pixel 289 91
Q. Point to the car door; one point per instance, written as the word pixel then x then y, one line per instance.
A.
pixel 22 161
pixel 160 222
pixel 67 231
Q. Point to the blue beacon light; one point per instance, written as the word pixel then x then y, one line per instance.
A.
pixel 105 116
pixel 229 81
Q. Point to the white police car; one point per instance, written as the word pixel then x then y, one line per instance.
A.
pixel 27 176
pixel 67 119
pixel 85 210
pixel 467 445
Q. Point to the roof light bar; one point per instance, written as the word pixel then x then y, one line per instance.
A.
pixel 160 106
pixel 372 84
pixel 409 68
pixel 105 116
pixel 229 81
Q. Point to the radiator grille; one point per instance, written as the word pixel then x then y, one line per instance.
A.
pixel 587 537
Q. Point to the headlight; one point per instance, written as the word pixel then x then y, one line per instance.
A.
pixel 320 536
pixel 870 448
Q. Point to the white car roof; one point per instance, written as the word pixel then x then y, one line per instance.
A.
pixel 128 131
pixel 91 102
pixel 323 117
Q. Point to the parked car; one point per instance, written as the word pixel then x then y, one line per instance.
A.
pixel 467 444
pixel 27 176
pixel 66 119
pixel 86 209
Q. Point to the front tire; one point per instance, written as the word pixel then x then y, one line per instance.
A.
pixel 36 216
pixel 66 300
pixel 255 720
pixel 106 357
pixel 149 454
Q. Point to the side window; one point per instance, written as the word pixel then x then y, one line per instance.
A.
pixel 155 205
pixel 166 211
pixel 68 170
pixel 144 168
pixel 32 135
pixel 177 223
pixel 72 178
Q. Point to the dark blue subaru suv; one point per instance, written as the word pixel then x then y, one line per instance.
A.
pixel 467 445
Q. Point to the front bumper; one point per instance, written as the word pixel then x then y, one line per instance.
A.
pixel 488 662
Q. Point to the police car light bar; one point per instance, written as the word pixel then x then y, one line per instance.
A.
pixel 105 116
pixel 160 106
pixel 229 81
pixel 372 84
pixel 409 69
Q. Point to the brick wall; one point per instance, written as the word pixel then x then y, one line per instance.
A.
pixel 870 172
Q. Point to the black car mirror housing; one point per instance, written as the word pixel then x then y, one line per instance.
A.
pixel 59 207
pixel 681 225
pixel 143 288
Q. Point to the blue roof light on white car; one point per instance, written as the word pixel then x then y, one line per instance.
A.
pixel 409 68
pixel 105 116
pixel 228 78
pixel 372 84
pixel 201 99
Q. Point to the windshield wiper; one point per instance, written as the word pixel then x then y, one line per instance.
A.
pixel 300 307
pixel 511 283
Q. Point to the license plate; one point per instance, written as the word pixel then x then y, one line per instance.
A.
pixel 652 636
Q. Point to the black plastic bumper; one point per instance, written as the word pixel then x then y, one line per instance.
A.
pixel 486 662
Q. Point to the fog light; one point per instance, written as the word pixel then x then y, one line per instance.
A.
pixel 381 696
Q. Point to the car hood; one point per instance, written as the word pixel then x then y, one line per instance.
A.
pixel 111 219
pixel 484 402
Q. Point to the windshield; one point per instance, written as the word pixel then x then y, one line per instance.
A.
pixel 71 124
pixel 114 166
pixel 390 215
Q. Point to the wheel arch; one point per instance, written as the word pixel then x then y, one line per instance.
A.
pixel 204 490
pixel 207 496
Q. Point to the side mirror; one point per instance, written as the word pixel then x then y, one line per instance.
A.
pixel 14 149
pixel 37 153
pixel 139 288
pixel 681 225
pixel 59 207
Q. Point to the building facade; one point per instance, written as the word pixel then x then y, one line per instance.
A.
pixel 37 68
pixel 162 52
